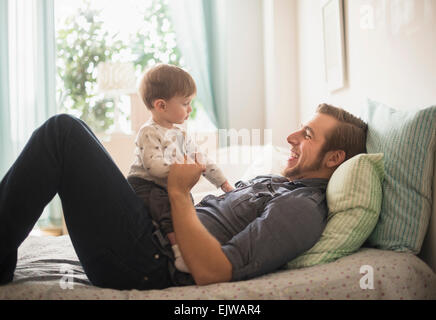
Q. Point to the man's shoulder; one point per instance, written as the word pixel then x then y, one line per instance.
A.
pixel 269 177
pixel 305 197
pixel 299 204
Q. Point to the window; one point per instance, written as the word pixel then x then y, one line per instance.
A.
pixel 91 32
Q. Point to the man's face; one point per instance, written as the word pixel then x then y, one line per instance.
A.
pixel 307 159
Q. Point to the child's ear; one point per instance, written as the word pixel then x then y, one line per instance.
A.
pixel 159 104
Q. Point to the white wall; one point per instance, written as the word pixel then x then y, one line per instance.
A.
pixel 263 66
pixel 392 61
pixel 281 68
pixel 276 67
pixel 245 84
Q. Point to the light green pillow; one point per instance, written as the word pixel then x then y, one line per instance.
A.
pixel 408 141
pixel 354 197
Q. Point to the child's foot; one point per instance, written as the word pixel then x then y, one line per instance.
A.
pixel 179 263
pixel 7 268
pixel 172 238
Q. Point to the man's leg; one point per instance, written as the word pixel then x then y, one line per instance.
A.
pixel 109 227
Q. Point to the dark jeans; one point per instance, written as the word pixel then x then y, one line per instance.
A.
pixel 156 200
pixel 109 226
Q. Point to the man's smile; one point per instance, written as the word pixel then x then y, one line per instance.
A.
pixel 294 155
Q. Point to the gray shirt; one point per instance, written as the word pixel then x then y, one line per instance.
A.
pixel 266 222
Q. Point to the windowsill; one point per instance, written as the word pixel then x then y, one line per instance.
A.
pixel 43 232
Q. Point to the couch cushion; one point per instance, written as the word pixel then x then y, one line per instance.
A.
pixel 354 199
pixel 407 140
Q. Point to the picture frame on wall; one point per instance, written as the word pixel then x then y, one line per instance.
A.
pixel 332 12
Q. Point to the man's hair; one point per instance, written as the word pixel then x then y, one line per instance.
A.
pixel 349 135
pixel 164 81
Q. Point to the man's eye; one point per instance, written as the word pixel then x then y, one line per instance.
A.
pixel 306 136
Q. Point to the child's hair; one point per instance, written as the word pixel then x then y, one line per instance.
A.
pixel 164 81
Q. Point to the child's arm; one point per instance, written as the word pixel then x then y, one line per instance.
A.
pixel 215 175
pixel 212 173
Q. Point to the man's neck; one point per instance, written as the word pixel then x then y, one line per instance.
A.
pixel 310 175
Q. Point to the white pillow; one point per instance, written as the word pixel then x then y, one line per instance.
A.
pixel 243 163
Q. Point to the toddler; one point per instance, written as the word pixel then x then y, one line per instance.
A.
pixel 167 92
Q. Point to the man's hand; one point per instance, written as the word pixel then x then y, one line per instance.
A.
pixel 183 176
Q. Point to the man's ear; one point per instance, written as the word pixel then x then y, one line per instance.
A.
pixel 159 104
pixel 335 158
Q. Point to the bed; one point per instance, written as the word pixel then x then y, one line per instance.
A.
pixel 48 267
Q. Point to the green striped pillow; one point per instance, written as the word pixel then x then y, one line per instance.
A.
pixel 354 197
pixel 408 141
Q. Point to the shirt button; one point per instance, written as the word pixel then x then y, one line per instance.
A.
pixel 156 256
pixel 145 278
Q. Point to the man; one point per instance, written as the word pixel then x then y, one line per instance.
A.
pixel 317 149
pixel 250 231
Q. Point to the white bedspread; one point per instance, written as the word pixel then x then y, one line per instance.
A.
pixel 48 268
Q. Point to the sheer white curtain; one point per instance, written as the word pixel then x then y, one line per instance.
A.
pixel 21 72
pixel 29 81
pixel 200 29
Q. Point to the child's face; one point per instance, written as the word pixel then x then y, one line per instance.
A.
pixel 178 109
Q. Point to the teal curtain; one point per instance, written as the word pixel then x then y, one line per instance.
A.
pixel 5 135
pixel 28 87
pixel 199 26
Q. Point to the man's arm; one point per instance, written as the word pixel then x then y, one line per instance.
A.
pixel 200 250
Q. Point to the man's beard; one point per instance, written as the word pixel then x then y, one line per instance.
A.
pixel 298 172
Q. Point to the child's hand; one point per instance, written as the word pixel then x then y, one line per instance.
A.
pixel 226 187
pixel 182 177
